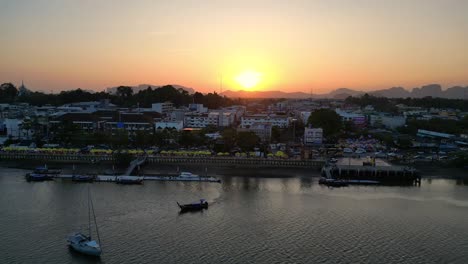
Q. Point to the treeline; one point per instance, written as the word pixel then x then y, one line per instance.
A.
pixel 389 104
pixel 124 97
pixel 70 135
pixel 436 124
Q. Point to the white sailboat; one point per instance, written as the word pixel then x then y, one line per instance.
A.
pixel 85 244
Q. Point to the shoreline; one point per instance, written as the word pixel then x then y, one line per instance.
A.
pixel 106 168
pixel 155 169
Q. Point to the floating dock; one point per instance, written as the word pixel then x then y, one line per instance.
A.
pixel 111 178
pixel 380 171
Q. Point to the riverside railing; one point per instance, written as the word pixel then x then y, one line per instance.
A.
pixel 196 160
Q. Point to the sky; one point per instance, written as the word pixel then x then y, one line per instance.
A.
pixel 295 45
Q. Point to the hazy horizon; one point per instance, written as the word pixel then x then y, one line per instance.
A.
pixel 268 45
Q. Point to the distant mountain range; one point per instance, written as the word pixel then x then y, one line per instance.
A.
pixel 434 90
pixel 136 89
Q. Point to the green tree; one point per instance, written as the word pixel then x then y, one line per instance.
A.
pixel 8 92
pixel 247 140
pixel 327 119
pixel 124 91
pixel 275 134
pixel 229 137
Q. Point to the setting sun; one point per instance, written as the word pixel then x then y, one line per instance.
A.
pixel 249 79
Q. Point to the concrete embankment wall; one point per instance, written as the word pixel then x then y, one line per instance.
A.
pixel 202 161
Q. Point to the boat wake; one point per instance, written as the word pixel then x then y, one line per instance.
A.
pixel 448 200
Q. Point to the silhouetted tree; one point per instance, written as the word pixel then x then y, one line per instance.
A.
pixel 327 119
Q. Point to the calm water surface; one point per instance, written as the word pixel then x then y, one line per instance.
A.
pixel 250 220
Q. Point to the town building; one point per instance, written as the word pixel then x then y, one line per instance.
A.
pixel 280 121
pixel 162 108
pixel 313 136
pixel 200 120
pixel 356 118
pixel 177 125
pixel 262 130
pixel 198 108
pixel 387 121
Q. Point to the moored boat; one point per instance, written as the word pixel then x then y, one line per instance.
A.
pixel 84 243
pixel 341 183
pixel 188 176
pixel 45 170
pixel 39 177
pixel 83 178
pixel 203 204
pixel 333 182
pixel 129 180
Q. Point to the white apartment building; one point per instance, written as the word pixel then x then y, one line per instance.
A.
pixel 226 118
pixel 273 120
pixel 199 120
pixel 162 108
pixel 313 136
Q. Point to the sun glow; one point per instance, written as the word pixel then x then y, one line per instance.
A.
pixel 249 79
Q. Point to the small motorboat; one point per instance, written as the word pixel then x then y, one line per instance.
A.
pixel 83 178
pixel 84 244
pixel 203 204
pixel 129 180
pixel 38 177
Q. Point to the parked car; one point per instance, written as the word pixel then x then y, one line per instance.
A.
pixel 347 150
pixel 360 151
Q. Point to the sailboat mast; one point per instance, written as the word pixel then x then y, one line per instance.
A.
pixel 95 222
pixel 89 213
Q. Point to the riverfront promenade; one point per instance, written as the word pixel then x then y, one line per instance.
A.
pixel 170 160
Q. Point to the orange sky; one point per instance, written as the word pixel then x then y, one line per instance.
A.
pixel 295 45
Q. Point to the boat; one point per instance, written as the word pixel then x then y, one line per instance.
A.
pixel 83 178
pixel 342 183
pixel 363 182
pixel 188 176
pixel 45 170
pixel 84 243
pixel 129 180
pixel 333 182
pixel 203 204
pixel 38 177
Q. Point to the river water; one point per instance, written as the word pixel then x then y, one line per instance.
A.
pixel 250 220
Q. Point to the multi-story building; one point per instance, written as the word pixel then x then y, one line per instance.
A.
pixel 237 110
pixel 87 122
pixel 313 136
pixel 162 108
pixel 356 118
pixel 273 120
pixel 263 131
pixel 225 118
pixel 109 121
pixel 199 120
